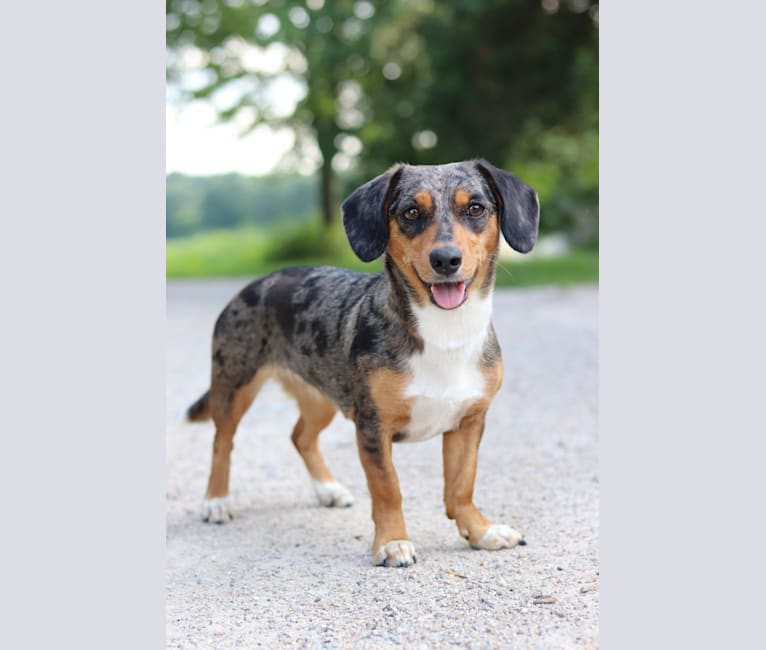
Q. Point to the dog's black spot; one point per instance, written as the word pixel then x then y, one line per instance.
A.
pixel 251 294
pixel 320 336
pixel 365 339
pixel 245 379
pixel 411 229
pixel 280 299
pixel 372 449
pixel 312 291
pixel 398 437
pixel 522 542
pixel 476 225
pixel 367 428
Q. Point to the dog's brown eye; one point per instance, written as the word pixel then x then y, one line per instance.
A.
pixel 411 214
pixel 475 210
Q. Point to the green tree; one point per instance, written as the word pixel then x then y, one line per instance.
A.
pixel 323 45
pixel 420 81
pixel 505 80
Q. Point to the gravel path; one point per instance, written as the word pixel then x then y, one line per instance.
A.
pixel 289 573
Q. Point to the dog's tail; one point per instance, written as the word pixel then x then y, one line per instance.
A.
pixel 200 410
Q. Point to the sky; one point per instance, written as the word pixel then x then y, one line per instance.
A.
pixel 197 146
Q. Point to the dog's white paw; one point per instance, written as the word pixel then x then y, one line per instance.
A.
pixel 398 552
pixel 333 495
pixel 216 510
pixel 499 536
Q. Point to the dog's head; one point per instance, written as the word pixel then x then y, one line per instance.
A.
pixel 440 224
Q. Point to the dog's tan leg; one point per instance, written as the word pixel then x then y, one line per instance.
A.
pixel 374 433
pixel 390 546
pixel 227 408
pixel 317 411
pixel 460 449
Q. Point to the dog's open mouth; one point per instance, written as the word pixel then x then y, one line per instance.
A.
pixel 448 295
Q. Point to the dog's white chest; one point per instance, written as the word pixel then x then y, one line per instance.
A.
pixel 446 377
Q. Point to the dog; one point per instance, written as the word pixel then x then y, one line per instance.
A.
pixel 406 354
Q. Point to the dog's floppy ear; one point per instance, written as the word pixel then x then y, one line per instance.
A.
pixel 517 204
pixel 365 215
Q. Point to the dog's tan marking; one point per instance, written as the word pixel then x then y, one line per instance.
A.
pixel 477 250
pixel 485 252
pixel 425 201
pixel 386 389
pixel 227 408
pixel 317 411
pixel 462 197
pixel 411 257
pixel 460 452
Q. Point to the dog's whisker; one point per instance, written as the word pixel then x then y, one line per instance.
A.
pixel 500 266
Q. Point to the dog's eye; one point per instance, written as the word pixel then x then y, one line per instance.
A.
pixel 475 210
pixel 411 214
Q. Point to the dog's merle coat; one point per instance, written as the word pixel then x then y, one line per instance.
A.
pixel 335 328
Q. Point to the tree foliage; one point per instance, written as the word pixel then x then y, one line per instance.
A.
pixel 514 81
pixel 234 201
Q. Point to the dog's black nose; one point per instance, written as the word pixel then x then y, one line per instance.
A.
pixel 446 260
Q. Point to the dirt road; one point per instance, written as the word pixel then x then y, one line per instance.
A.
pixel 289 573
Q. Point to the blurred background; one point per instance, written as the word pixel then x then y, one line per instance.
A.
pixel 276 110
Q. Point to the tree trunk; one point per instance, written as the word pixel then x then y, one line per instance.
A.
pixel 326 193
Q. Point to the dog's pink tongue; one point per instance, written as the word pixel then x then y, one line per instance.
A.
pixel 448 295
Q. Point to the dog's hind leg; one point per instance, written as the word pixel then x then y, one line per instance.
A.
pixel 227 406
pixel 317 412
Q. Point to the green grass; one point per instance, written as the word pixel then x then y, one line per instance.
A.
pixel 253 253
pixel 576 267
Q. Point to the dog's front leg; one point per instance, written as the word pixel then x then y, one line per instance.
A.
pixel 461 449
pixel 390 547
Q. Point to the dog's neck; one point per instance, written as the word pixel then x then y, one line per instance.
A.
pixel 444 329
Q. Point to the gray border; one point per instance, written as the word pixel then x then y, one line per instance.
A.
pixel 682 351
pixel 682 324
pixel 82 266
